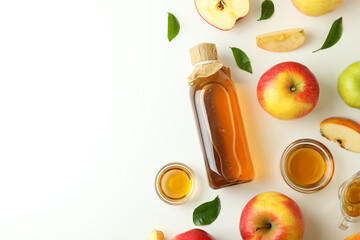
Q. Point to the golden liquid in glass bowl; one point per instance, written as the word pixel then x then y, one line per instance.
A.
pixel 175 183
pixel 306 166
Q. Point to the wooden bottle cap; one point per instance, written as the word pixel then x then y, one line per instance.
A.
pixel 203 52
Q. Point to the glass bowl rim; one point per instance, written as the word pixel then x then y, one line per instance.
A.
pixel 163 169
pixel 325 152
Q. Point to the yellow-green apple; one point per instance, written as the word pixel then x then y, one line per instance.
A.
pixel 271 216
pixel 288 90
pixel 349 85
pixel 156 235
pixel 354 237
pixel 281 41
pixel 194 234
pixel 222 14
pixel 316 7
pixel 344 131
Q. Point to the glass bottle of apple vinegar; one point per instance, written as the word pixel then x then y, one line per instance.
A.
pixel 221 129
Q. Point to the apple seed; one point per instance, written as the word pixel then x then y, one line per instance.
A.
pixel 221 5
pixel 340 142
pixel 280 37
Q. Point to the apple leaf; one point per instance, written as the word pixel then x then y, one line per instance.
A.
pixel 334 35
pixel 207 213
pixel 242 60
pixel 267 10
pixel 173 27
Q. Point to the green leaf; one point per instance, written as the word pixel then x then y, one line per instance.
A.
pixel 334 35
pixel 267 10
pixel 207 212
pixel 173 27
pixel 242 61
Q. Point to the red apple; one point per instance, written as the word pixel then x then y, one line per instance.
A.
pixel 271 216
pixel 194 234
pixel 222 14
pixel 288 90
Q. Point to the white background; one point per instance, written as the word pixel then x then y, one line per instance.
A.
pixel 94 100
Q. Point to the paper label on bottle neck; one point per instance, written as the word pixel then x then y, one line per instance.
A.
pixel 205 69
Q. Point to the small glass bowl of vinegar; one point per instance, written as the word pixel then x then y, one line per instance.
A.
pixel 307 166
pixel 175 183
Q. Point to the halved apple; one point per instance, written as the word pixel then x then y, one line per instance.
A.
pixel 156 235
pixel 344 131
pixel 281 41
pixel 222 14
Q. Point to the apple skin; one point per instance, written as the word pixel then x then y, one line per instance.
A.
pixel 288 90
pixel 316 8
pixel 342 121
pixel 194 234
pixel 216 26
pixel 349 85
pixel 354 237
pixel 271 216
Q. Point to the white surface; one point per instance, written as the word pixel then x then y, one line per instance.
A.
pixel 94 100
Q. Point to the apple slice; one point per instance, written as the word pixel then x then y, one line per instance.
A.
pixel 354 237
pixel 281 41
pixel 342 130
pixel 222 14
pixel 156 235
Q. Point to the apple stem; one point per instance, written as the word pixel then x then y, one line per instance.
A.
pixel 293 89
pixel 265 227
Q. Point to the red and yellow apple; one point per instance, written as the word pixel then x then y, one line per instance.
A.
pixel 354 237
pixel 222 14
pixel 288 90
pixel 271 216
pixel 344 131
pixel 316 7
pixel 194 234
pixel 156 235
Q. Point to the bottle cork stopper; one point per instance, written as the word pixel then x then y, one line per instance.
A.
pixel 203 52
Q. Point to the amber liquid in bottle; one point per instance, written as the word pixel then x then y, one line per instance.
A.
pixel 221 129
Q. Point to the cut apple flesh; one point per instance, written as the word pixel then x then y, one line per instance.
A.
pixel 281 41
pixel 156 235
pixel 354 237
pixel 344 131
pixel 222 14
